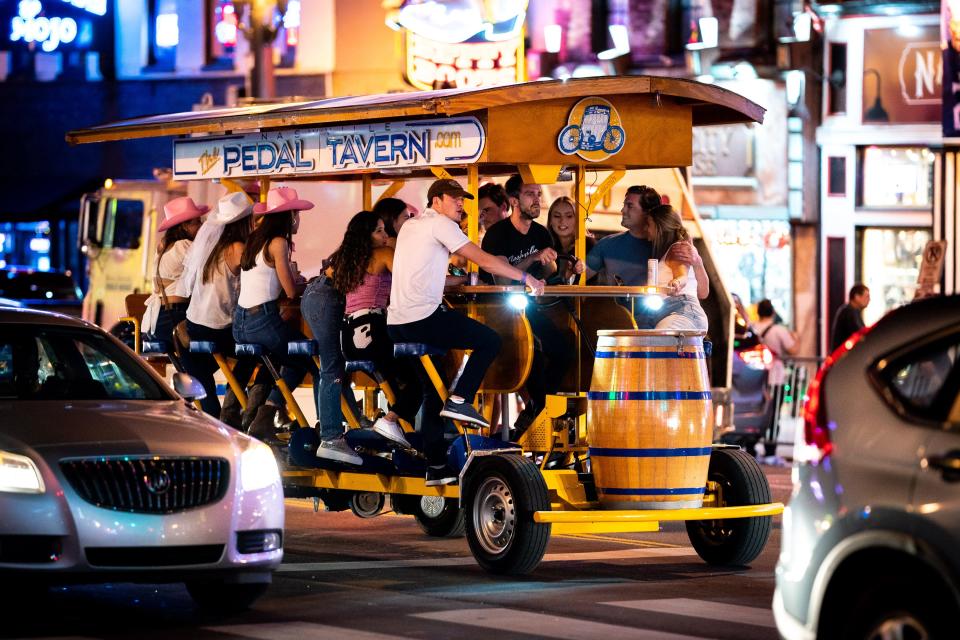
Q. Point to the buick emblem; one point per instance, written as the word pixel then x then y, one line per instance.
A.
pixel 157 481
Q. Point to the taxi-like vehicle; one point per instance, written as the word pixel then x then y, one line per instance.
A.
pixel 626 443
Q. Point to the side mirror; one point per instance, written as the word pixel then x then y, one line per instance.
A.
pixel 188 387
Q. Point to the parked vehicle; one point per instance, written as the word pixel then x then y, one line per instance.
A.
pixel 752 406
pixel 870 537
pixel 48 290
pixel 89 435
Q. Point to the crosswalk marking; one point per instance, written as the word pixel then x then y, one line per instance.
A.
pixel 702 609
pixel 361 565
pixel 298 630
pixel 543 625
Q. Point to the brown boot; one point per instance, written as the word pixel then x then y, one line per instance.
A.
pixel 231 411
pixel 255 399
pixel 264 425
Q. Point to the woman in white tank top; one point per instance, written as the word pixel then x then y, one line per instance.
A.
pixel 266 272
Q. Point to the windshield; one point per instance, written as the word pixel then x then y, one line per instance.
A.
pixel 63 363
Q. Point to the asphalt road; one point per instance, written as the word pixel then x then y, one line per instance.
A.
pixel 353 579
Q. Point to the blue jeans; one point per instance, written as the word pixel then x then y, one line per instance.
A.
pixel 322 307
pixel 202 366
pixel 678 313
pixel 263 325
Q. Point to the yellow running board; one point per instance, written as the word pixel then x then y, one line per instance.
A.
pixel 646 520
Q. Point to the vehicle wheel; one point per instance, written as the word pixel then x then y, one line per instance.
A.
pixel 226 597
pixel 736 541
pixel 569 139
pixel 894 608
pixel 440 517
pixel 367 504
pixel 502 492
pixel 613 139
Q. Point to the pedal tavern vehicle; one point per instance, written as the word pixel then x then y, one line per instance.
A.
pixel 627 445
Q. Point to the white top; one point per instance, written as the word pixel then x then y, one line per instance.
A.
pixel 424 245
pixel 258 285
pixel 169 267
pixel 777 340
pixel 213 302
pixel 665 276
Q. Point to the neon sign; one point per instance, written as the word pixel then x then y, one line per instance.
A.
pixel 29 26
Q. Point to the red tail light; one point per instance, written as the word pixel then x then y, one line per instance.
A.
pixel 816 430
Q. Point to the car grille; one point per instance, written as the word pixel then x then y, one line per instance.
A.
pixel 148 484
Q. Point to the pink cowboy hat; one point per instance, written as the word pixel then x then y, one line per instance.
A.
pixel 180 210
pixel 281 199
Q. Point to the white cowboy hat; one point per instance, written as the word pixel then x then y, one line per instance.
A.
pixel 232 207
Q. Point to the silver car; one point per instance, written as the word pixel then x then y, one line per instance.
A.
pixel 871 537
pixel 108 475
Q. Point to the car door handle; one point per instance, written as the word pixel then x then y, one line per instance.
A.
pixel 948 465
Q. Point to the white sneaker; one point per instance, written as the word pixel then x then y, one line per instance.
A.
pixel 391 431
pixel 338 449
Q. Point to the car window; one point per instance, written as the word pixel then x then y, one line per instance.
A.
pixel 127 218
pixel 921 380
pixel 54 363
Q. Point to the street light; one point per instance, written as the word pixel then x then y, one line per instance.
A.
pixel 260 31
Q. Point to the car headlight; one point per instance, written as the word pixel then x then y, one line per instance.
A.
pixel 258 467
pixel 19 474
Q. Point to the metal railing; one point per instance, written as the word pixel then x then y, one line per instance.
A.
pixel 788 399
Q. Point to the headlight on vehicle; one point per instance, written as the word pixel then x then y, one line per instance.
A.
pixel 19 474
pixel 258 467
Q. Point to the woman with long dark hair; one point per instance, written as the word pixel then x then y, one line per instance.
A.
pixel 394 212
pixel 212 281
pixel 167 307
pixel 682 310
pixel 361 271
pixel 265 274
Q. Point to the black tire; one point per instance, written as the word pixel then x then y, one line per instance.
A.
pixel 894 607
pixel 438 520
pixel 501 494
pixel 735 541
pixel 367 504
pixel 226 597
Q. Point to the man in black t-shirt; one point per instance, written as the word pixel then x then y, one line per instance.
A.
pixel 849 318
pixel 528 246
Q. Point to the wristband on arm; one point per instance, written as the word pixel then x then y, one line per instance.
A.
pixel 523 278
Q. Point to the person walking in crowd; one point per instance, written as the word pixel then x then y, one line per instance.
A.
pixel 362 274
pixel 781 342
pixel 416 313
pixel 167 307
pixel 680 311
pixel 527 245
pixel 211 280
pixel 562 224
pixel 849 317
pixel 492 205
pixel 266 273
pixel 394 212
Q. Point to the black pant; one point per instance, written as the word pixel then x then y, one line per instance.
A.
pixel 551 358
pixel 167 320
pixel 202 366
pixel 448 329
pixel 365 338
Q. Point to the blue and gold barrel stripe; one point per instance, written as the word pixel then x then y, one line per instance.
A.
pixel 696 354
pixel 649 395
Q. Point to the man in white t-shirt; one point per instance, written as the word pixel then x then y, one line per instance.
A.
pixel 781 342
pixel 416 313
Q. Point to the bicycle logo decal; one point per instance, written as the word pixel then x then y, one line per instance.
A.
pixel 593 131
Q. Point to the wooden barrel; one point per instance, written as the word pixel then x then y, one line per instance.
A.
pixel 648 419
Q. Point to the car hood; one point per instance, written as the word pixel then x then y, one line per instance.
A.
pixel 104 428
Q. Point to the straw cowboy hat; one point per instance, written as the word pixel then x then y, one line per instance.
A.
pixel 281 199
pixel 180 210
pixel 232 207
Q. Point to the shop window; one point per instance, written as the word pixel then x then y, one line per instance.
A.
pixel 837 176
pixel 163 31
pixel 895 177
pixel 224 30
pixel 888 262
pixel 837 80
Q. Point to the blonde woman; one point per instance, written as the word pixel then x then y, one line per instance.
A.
pixel 682 310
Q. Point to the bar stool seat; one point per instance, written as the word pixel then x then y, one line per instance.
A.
pixel 416 349
pixel 203 346
pixel 154 346
pixel 249 349
pixel 303 348
pixel 366 366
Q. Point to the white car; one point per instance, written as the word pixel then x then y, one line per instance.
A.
pixel 108 475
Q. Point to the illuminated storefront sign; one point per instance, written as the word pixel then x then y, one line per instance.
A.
pixel 902 75
pixel 392 145
pixel 34 22
pixel 461 43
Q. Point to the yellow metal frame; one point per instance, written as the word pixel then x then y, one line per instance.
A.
pixel 235 386
pixel 379 483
